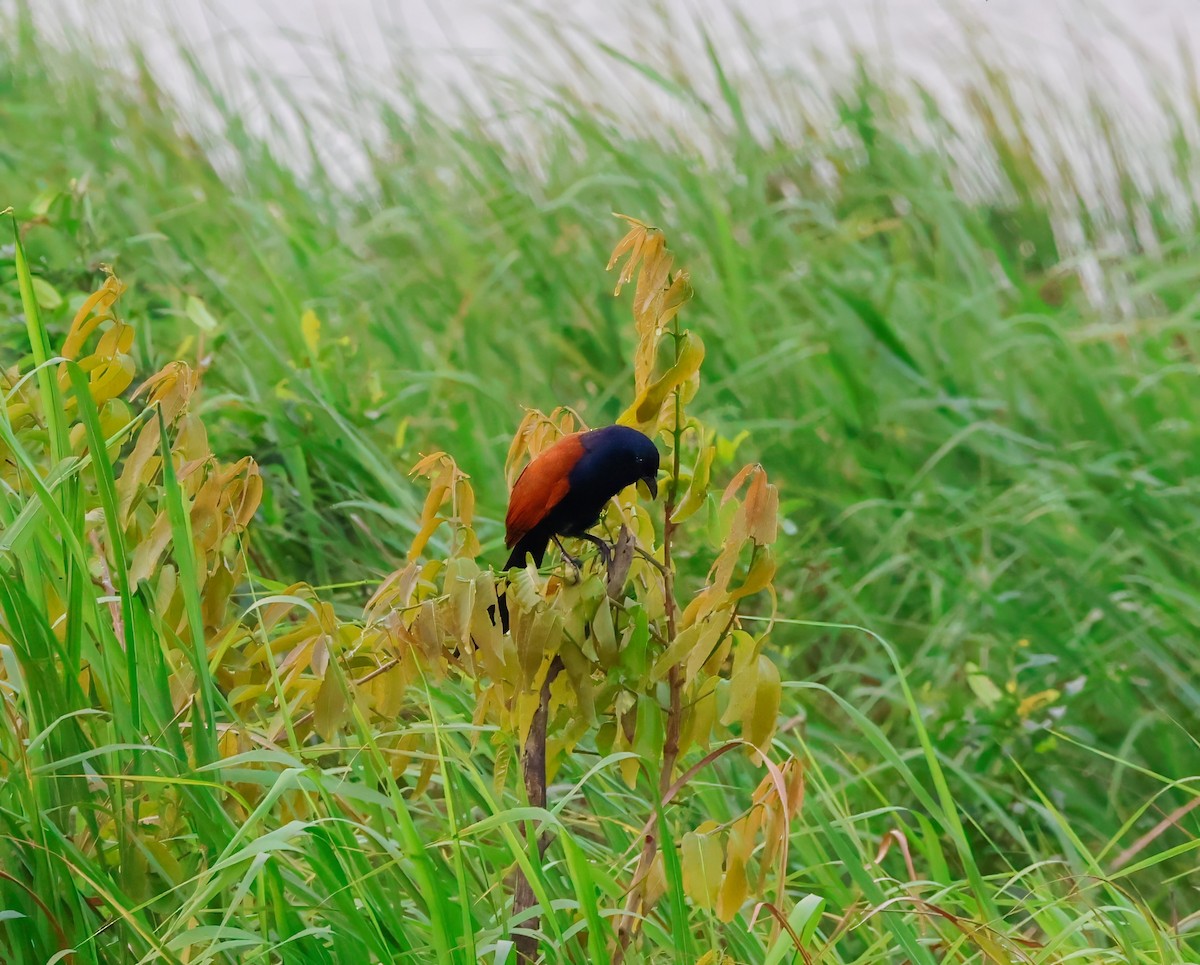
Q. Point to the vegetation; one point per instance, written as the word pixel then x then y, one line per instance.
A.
pixel 964 364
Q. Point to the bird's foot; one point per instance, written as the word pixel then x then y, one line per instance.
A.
pixel 605 549
pixel 575 561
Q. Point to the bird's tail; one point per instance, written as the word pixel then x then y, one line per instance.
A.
pixel 502 606
pixel 526 547
pixel 532 545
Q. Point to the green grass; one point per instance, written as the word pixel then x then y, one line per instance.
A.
pixel 970 373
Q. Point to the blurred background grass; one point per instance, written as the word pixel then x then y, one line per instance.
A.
pixel 957 324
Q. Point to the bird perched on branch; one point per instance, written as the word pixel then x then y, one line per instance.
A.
pixel 564 489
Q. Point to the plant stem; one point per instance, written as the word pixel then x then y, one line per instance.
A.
pixel 675 675
pixel 533 762
pixel 627 926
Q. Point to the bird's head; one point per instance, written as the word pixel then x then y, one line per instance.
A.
pixel 634 457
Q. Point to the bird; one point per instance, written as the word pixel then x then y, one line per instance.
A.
pixel 563 491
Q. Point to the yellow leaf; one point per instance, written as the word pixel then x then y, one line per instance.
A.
pixel 460 586
pixel 699 715
pixel 743 680
pixel 678 649
pixel 310 328
pixel 538 646
pixel 630 243
pixel 656 882
pixel 578 673
pixel 646 407
pixel 734 888
pixel 675 297
pixel 714 661
pixel 762 509
pixel 428 629
pixel 697 489
pixel 702 872
pixel 428 526
pixel 428 767
pixel 527 705
pixel 500 767
pixel 694 645
pixel 149 549
pixel 604 635
pixel 491 644
pixel 759 577
pixel 330 711
pixel 91 313
pixel 387 691
pixel 1035 702
pixel 759 725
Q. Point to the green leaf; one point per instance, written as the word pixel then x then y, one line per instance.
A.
pixel 983 687
pixel 803 920
pixel 198 312
pixel 46 294
pixel 648 734
pixel 637 641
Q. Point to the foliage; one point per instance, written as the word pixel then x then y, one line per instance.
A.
pixel 266 675
pixel 966 366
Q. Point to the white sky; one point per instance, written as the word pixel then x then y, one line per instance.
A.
pixel 290 39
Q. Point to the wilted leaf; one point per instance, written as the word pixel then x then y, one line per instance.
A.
pixel 395 591
pixel 762 510
pixel 330 711
pixel 656 881
pixel 388 690
pixel 428 768
pixel 735 888
pixel 620 562
pixel 500 765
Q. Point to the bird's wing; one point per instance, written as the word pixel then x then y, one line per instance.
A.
pixel 540 487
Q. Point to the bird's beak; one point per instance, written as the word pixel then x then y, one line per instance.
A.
pixel 652 485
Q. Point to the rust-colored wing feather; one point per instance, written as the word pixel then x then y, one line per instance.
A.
pixel 540 487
